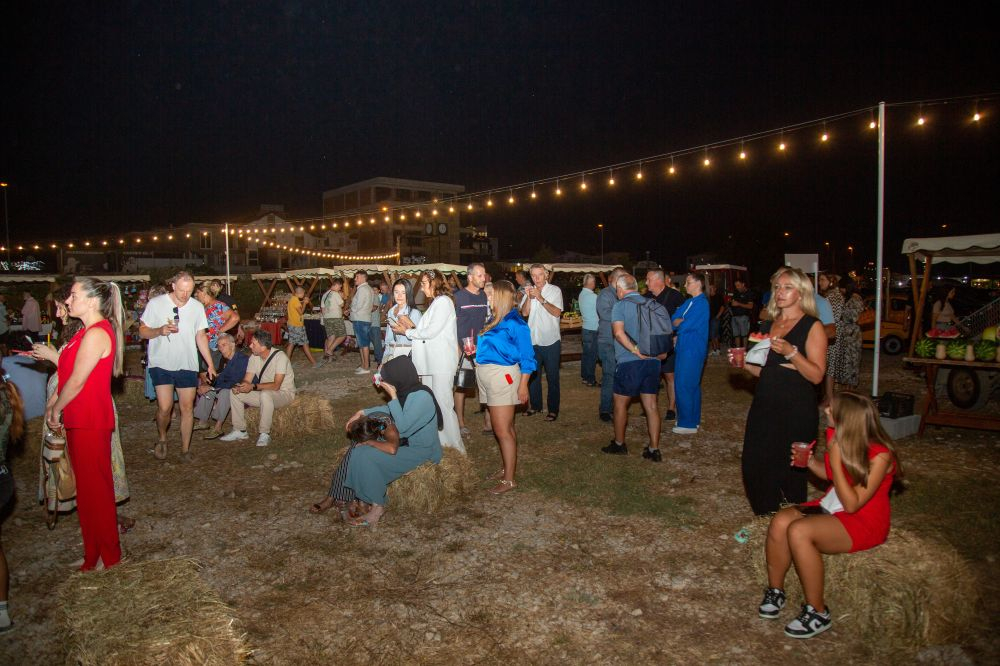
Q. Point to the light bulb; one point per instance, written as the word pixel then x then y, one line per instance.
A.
pixel 533 195
pixel 638 175
pixel 781 146
pixel 671 170
pixel 434 212
pixel 611 180
pixel 920 120
pixel 489 203
pixel 510 199
pixel 976 117
pixel 707 162
pixel 872 125
pixel 583 185
pixel 558 191
pixel 824 137
pixel 469 207
pixel 417 214
pixel 743 154
pixel 451 209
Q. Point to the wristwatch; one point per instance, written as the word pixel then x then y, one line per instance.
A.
pixel 255 387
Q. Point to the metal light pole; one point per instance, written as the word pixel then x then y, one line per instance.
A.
pixel 601 227
pixel 228 284
pixel 6 219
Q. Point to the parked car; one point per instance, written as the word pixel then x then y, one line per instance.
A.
pixel 897 322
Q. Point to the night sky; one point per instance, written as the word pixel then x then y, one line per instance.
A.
pixel 127 116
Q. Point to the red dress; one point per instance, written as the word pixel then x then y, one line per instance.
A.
pixel 868 526
pixel 89 420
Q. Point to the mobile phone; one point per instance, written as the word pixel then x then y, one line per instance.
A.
pixel 377 379
pixel 510 380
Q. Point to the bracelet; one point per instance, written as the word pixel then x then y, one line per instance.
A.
pixel 795 350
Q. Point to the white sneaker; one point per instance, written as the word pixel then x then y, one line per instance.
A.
pixel 263 439
pixel 234 436
pixel 684 431
pixel 361 371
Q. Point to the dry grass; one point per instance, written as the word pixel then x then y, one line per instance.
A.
pixel 308 414
pixel 907 593
pixel 155 612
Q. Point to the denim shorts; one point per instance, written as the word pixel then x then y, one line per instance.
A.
pixel 179 379
pixel 635 377
pixel 362 332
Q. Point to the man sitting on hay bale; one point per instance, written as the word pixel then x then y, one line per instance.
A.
pixel 269 384
pixel 215 398
pixel 390 449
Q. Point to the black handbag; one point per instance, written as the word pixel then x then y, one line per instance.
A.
pixel 465 378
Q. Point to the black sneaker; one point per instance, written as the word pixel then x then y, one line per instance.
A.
pixel 774 601
pixel 652 454
pixel 671 415
pixel 604 416
pixel 616 449
pixel 809 623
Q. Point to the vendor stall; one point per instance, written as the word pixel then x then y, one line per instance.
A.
pixel 962 365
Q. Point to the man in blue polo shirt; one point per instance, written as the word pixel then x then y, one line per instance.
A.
pixel 635 374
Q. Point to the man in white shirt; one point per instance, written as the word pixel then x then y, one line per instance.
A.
pixel 175 325
pixel 333 318
pixel 542 306
pixel 361 318
pixel 269 384
pixel 31 316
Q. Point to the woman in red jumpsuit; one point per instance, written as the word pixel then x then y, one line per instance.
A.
pixel 82 405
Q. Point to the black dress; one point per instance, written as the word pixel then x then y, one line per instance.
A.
pixel 783 411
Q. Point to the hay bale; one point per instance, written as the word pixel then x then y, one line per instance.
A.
pixel 909 592
pixel 308 414
pixel 431 487
pixel 156 612
pixel 133 392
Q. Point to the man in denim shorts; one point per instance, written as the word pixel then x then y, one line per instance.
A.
pixel 361 318
pixel 175 325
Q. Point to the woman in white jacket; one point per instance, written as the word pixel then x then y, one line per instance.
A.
pixel 434 351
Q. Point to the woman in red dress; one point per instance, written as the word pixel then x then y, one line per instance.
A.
pixel 853 515
pixel 82 405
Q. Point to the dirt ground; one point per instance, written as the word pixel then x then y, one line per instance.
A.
pixel 549 573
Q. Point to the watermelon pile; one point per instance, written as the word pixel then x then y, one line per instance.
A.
pixel 925 348
pixel 938 334
pixel 986 350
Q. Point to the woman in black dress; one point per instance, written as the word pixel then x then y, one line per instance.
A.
pixel 784 406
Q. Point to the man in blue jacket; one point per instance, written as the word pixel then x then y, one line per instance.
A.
pixel 213 400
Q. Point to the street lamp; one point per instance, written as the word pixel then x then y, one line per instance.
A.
pixel 6 219
pixel 601 227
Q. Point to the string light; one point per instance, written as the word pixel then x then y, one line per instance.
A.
pixel 583 182
pixel 638 174
pixel 706 162
pixel 673 169
pixel 743 152
pixel 558 189
pixel 510 198
pixel 611 178
pixel 825 136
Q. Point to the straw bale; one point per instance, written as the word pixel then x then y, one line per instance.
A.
pixel 133 392
pixel 910 592
pixel 154 612
pixel 431 487
pixel 308 414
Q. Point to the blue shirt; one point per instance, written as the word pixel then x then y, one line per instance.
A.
pixel 234 371
pixel 692 333
pixel 605 303
pixel 508 343
pixel 390 337
pixel 629 315
pixel 588 309
pixel 824 310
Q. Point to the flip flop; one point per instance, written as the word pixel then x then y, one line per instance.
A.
pixel 358 522
pixel 551 417
pixel 529 412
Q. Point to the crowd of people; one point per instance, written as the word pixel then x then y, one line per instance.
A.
pixel 506 337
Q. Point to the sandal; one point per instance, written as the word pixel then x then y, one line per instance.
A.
pixel 497 475
pixel 160 451
pixel 551 416
pixel 503 487
pixel 530 412
pixel 322 506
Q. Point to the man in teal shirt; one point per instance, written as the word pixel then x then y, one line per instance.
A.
pixel 588 310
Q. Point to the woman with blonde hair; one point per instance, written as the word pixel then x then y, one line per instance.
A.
pixel 505 360
pixel 784 408
pixel 433 351
pixel 82 406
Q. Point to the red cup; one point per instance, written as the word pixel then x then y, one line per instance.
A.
pixel 737 356
pixel 800 452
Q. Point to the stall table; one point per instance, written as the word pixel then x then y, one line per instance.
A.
pixel 274 328
pixel 932 415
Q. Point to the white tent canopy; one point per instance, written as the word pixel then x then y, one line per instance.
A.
pixel 581 268
pixel 976 249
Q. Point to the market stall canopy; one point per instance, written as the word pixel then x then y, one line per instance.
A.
pixel 15 279
pixel 581 268
pixel 978 249
pixel 268 276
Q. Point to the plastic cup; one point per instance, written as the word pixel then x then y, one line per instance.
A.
pixel 801 451
pixel 738 355
pixel 469 345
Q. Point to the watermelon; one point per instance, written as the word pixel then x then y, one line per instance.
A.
pixel 937 333
pixel 956 350
pixel 986 350
pixel 755 338
pixel 925 348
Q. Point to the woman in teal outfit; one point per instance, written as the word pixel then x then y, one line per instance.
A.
pixel 417 417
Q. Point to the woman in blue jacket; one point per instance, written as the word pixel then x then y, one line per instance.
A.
pixel 505 360
pixel 691 325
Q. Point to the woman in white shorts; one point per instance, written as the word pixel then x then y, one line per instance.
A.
pixel 505 360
